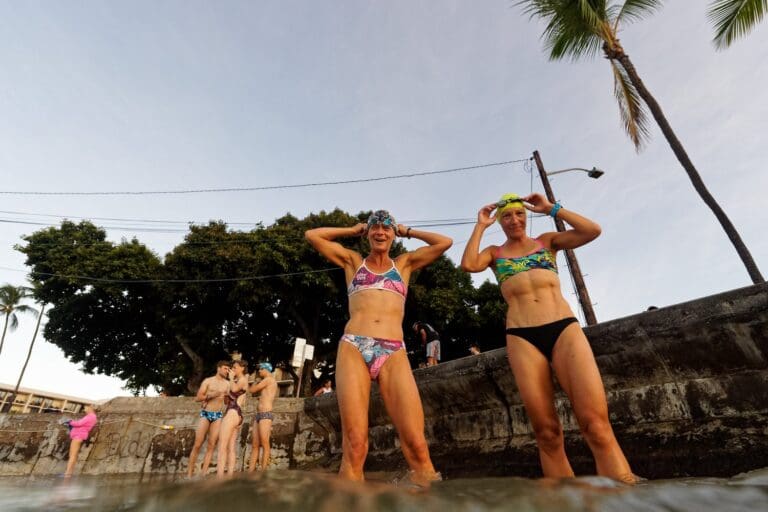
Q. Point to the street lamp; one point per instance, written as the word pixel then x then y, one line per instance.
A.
pixel 570 256
pixel 592 173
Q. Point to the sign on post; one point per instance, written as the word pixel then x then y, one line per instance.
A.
pixel 301 352
pixel 297 361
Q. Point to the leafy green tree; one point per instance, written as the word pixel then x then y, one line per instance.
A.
pixel 443 296
pixel 734 19
pixel 491 315
pixel 11 306
pixel 109 327
pixel 166 323
pixel 581 28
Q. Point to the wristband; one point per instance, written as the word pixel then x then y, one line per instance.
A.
pixel 408 232
pixel 555 208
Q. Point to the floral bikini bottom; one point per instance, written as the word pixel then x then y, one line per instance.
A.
pixel 375 351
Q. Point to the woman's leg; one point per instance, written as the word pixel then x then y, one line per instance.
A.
pixel 228 424
pixel 579 377
pixel 403 403
pixel 74 450
pixel 232 449
pixel 353 391
pixel 534 382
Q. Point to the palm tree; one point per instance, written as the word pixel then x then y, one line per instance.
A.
pixel 581 28
pixel 29 354
pixel 10 304
pixel 734 19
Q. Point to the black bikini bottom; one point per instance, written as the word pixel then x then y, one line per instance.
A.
pixel 543 337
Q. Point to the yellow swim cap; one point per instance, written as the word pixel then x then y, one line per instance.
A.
pixel 508 202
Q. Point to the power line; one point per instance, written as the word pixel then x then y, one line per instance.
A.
pixel 149 281
pixel 415 224
pixel 266 187
pixel 117 219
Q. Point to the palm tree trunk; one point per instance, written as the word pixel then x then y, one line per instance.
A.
pixel 29 354
pixel 5 328
pixel 693 174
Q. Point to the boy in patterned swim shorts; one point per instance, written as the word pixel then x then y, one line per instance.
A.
pixel 261 428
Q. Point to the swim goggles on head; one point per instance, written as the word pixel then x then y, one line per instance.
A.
pixel 505 202
pixel 381 217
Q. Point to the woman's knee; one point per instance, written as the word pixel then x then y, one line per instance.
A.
pixel 549 435
pixel 597 431
pixel 356 444
pixel 416 444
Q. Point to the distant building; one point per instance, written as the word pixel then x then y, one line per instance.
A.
pixel 36 401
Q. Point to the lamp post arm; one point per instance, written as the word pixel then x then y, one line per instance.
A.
pixel 568 170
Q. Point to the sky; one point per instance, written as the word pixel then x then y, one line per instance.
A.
pixel 141 96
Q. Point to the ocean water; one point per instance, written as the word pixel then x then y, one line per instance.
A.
pixel 298 491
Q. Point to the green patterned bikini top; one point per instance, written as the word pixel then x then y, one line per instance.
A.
pixel 541 258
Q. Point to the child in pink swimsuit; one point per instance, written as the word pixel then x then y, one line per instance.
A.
pixel 79 433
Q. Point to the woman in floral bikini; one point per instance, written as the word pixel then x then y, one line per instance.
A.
pixel 372 346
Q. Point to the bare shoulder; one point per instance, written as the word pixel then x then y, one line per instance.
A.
pixel 546 239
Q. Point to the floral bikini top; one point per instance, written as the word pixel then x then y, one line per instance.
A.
pixel 541 258
pixel 365 279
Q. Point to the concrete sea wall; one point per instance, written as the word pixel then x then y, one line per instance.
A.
pixel 687 388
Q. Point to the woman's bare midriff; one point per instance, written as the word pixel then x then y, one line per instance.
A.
pixel 376 313
pixel 534 298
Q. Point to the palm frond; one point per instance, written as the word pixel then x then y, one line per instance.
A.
pixel 635 10
pixel 13 322
pixel 23 308
pixel 631 107
pixel 574 28
pixel 734 19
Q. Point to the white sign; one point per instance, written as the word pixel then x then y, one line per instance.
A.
pixel 309 352
pixel 298 353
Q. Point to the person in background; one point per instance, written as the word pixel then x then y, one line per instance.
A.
pixel 211 396
pixel 80 429
pixel 233 418
pixel 262 421
pixel 430 340
pixel 326 388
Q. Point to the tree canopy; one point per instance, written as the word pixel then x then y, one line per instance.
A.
pixel 119 309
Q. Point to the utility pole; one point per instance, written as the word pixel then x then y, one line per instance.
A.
pixel 570 256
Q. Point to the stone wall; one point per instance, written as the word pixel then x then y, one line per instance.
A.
pixel 134 435
pixel 687 388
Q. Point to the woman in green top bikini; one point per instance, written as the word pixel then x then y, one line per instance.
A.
pixel 542 333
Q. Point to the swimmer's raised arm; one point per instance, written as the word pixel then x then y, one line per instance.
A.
pixel 423 256
pixel 474 260
pixel 323 240
pixel 583 232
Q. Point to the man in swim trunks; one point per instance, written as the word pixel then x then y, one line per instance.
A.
pixel 211 394
pixel 372 346
pixel 261 427
pixel 430 340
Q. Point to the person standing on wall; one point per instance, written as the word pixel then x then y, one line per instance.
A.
pixel 430 340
